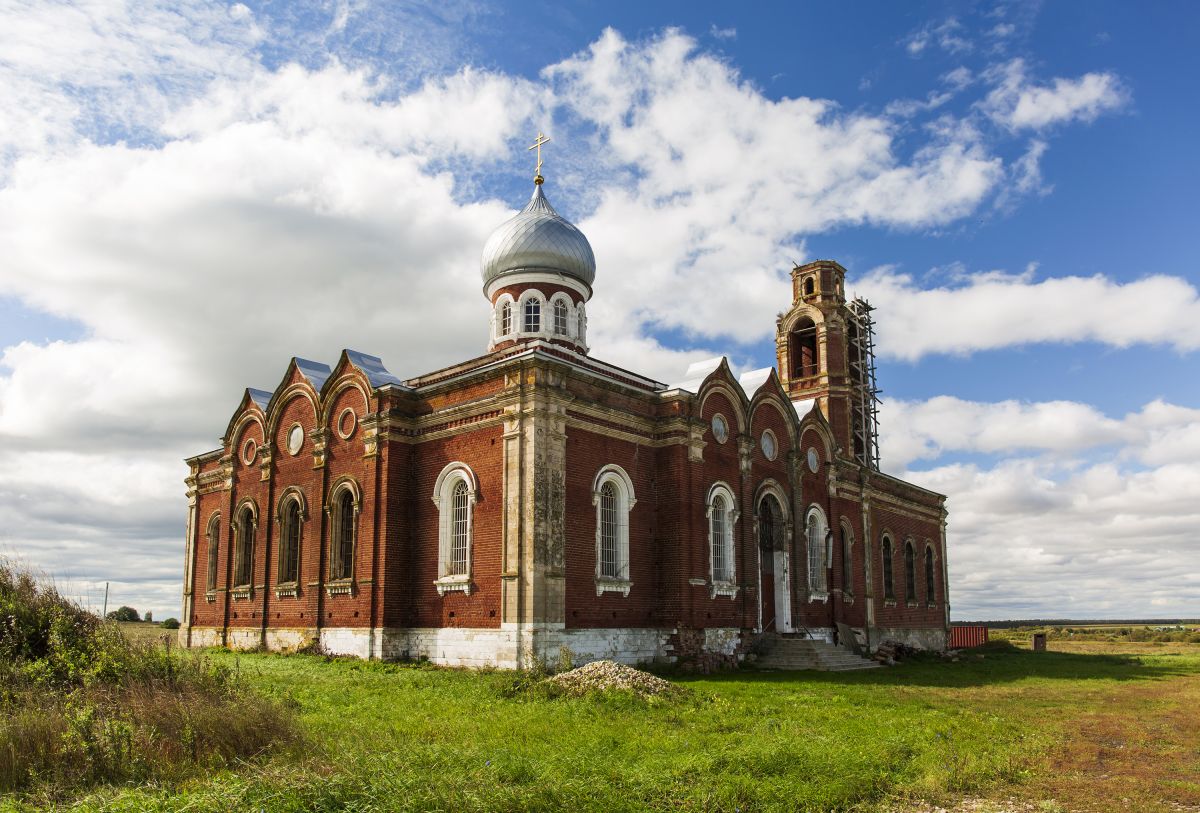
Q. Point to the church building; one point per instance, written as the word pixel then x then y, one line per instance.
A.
pixel 536 502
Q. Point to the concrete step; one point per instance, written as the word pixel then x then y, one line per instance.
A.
pixel 789 653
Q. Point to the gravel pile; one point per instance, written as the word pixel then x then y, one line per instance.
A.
pixel 600 675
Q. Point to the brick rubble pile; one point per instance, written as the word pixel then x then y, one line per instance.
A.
pixel 600 675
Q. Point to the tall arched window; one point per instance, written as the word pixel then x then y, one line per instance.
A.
pixel 582 325
pixel 460 539
pixel 612 494
pixel 889 590
pixel 722 514
pixel 802 347
pixel 506 319
pixel 533 315
pixel 815 533
pixel 930 584
pixel 454 494
pixel 341 565
pixel 847 561
pixel 910 573
pixel 214 547
pixel 809 286
pixel 289 548
pixel 243 570
pixel 560 317
pixel 770 523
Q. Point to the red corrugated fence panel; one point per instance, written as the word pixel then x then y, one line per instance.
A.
pixel 964 637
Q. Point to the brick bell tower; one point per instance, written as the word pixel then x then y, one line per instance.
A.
pixel 826 353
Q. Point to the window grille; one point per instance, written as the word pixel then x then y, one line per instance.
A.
pixel 847 562
pixel 214 543
pixel 610 564
pixel 889 590
pixel 506 319
pixel 242 573
pixel 910 572
pixel 719 531
pixel 460 534
pixel 344 562
pixel 930 587
pixel 816 553
pixel 533 316
pixel 560 318
pixel 289 560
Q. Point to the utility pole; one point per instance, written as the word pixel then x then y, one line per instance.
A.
pixel 105 613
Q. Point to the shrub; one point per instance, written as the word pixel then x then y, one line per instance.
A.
pixel 124 614
pixel 170 624
pixel 80 704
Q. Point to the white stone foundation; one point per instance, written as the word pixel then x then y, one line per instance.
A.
pixel 933 640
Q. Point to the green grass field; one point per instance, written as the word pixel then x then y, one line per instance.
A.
pixel 1106 727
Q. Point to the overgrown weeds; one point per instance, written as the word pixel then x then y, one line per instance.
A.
pixel 80 704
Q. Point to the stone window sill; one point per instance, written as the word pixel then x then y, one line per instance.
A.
pixel 605 584
pixel 931 605
pixel 723 589
pixel 910 604
pixel 454 584
pixel 241 593
pixel 287 590
pixel 889 602
pixel 818 596
pixel 210 596
pixel 341 587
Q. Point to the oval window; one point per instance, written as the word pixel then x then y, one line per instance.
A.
pixel 769 448
pixel 813 462
pixel 720 428
pixel 295 439
pixel 249 449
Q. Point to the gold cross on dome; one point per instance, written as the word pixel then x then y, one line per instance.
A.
pixel 537 144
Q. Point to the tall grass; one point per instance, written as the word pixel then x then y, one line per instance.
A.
pixel 80 704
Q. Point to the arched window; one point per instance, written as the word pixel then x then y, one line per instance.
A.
pixel 722 514
pixel 533 315
pixel 289 548
pixel 214 547
pixel 809 286
pixel 802 349
pixel 460 539
pixel 612 494
pixel 341 561
pixel 506 319
pixel 930 584
pixel 560 317
pixel 847 561
pixel 771 528
pixel 243 570
pixel 815 533
pixel 910 573
pixel 454 494
pixel 889 590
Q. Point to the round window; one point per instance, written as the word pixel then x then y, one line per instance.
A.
pixel 249 449
pixel 814 462
pixel 346 423
pixel 769 449
pixel 295 439
pixel 720 429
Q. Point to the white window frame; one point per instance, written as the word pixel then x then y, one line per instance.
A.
pixel 443 498
pixel 726 586
pixel 817 551
pixel 622 484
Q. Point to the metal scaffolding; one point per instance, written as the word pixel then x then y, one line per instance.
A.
pixel 864 395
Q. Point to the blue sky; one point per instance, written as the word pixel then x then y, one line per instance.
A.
pixel 1010 184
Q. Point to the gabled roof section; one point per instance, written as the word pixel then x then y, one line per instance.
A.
pixel 372 367
pixel 260 397
pixel 316 372
pixel 252 399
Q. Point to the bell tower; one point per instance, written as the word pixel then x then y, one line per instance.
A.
pixel 825 350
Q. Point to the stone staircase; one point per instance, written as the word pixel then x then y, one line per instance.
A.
pixel 789 653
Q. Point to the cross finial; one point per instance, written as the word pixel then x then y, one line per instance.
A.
pixel 537 144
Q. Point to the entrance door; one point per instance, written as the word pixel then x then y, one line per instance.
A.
pixel 773 566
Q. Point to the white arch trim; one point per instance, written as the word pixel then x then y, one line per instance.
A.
pixel 722 584
pixel 443 497
pixel 618 582
pixel 818 557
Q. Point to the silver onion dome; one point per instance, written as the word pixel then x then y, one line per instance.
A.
pixel 538 239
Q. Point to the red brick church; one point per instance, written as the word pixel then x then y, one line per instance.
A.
pixel 536 500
